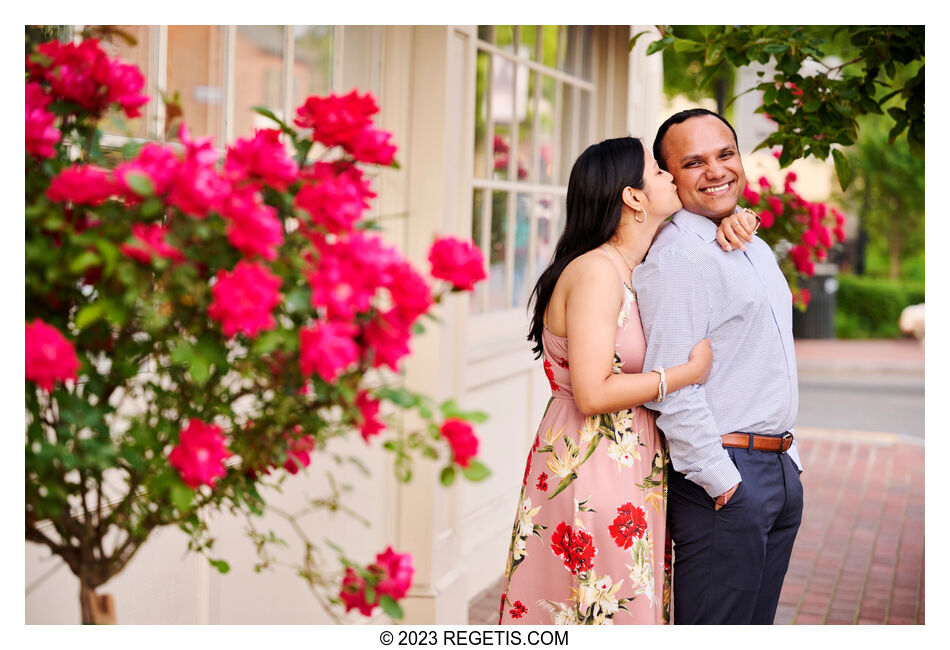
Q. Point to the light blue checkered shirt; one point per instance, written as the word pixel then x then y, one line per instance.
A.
pixel 689 289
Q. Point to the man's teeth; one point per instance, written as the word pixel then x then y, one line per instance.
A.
pixel 713 190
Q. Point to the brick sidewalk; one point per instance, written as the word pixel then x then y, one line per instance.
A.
pixel 859 555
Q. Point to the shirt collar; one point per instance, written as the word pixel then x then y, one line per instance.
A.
pixel 703 227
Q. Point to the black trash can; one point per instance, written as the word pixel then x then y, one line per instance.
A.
pixel 818 320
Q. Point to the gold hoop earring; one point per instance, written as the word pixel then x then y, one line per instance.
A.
pixel 639 216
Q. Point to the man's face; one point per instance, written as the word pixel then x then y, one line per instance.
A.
pixel 704 160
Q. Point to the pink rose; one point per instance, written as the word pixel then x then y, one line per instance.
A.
pixel 801 256
pixel 371 145
pixel 353 593
pixel 298 452
pixel 200 454
pixel 50 357
pixel 335 119
pixel 410 292
pixel 253 226
pixel 764 183
pixel 839 233
pixel 839 217
pixel 397 573
pixel 244 298
pixel 768 219
pixel 457 261
pixel 327 348
pixel 261 158
pixel 335 201
pixel 41 135
pixel 810 238
pixel 387 337
pixel 776 204
pixel 198 186
pixel 461 437
pixel 152 238
pixel 81 185
pixel 125 83
pixel 824 237
pixel 370 425
pixel 750 195
pixel 157 163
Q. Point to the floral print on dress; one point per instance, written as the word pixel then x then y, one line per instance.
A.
pixel 589 544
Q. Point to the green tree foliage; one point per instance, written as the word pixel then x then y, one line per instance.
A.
pixel 882 72
pixel 888 194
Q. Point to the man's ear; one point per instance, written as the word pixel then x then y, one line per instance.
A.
pixel 633 198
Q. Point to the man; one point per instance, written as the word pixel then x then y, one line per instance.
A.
pixel 735 501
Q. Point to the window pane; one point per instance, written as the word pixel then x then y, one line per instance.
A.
pixel 546 125
pixel 549 48
pixel 549 210
pixel 196 70
pixel 141 54
pixel 482 71
pixel 528 46
pixel 484 33
pixel 475 302
pixel 525 107
pixel 577 59
pixel 502 112
pixel 498 253
pixel 505 37
pixel 523 207
pixel 313 61
pixel 259 79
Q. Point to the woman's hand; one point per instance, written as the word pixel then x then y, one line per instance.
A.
pixel 701 360
pixel 736 229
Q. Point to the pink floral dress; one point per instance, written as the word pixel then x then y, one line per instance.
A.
pixel 589 544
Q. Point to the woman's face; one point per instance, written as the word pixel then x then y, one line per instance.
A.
pixel 661 197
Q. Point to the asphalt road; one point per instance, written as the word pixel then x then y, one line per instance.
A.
pixel 891 402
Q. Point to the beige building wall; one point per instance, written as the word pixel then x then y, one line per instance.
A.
pixel 459 536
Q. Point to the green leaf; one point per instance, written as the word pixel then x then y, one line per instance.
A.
pixel 636 37
pixel 140 184
pixel 449 408
pixel 333 546
pixel 200 370
pixel 151 207
pixel 220 565
pixel 370 591
pixel 390 606
pixel 842 168
pixel 269 114
pixel 447 477
pixel 83 261
pixel 90 313
pixel 775 48
pixel 181 496
pixel 267 342
pixel 476 471
pixel 298 300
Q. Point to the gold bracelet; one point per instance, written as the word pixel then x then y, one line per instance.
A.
pixel 661 389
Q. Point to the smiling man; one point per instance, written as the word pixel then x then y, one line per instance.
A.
pixel 735 497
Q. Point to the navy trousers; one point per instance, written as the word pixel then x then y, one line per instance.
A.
pixel 729 564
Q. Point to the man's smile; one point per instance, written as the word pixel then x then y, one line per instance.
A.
pixel 718 189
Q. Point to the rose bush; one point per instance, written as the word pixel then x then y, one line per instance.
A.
pixel 799 231
pixel 244 306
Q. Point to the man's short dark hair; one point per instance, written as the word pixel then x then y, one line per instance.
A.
pixel 680 117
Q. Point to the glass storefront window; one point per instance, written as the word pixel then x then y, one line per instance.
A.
pixel 259 61
pixel 196 71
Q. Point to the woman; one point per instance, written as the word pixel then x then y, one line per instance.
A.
pixel 589 543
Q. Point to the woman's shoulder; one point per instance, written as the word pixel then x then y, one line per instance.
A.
pixel 593 269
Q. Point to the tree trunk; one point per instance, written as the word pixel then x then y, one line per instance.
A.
pixel 96 609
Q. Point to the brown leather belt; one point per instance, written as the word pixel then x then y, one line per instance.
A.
pixel 778 444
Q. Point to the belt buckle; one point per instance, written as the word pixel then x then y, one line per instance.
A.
pixel 785 436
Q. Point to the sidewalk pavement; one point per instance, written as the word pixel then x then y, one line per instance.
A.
pixel 859 555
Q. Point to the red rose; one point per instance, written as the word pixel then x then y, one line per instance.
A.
pixel 370 424
pixel 200 454
pixel 631 522
pixel 457 261
pixel 50 357
pixel 767 218
pixel 461 437
pixel 243 299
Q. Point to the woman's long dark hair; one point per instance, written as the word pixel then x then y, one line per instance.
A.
pixel 594 207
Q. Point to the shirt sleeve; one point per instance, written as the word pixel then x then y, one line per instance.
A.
pixel 674 298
